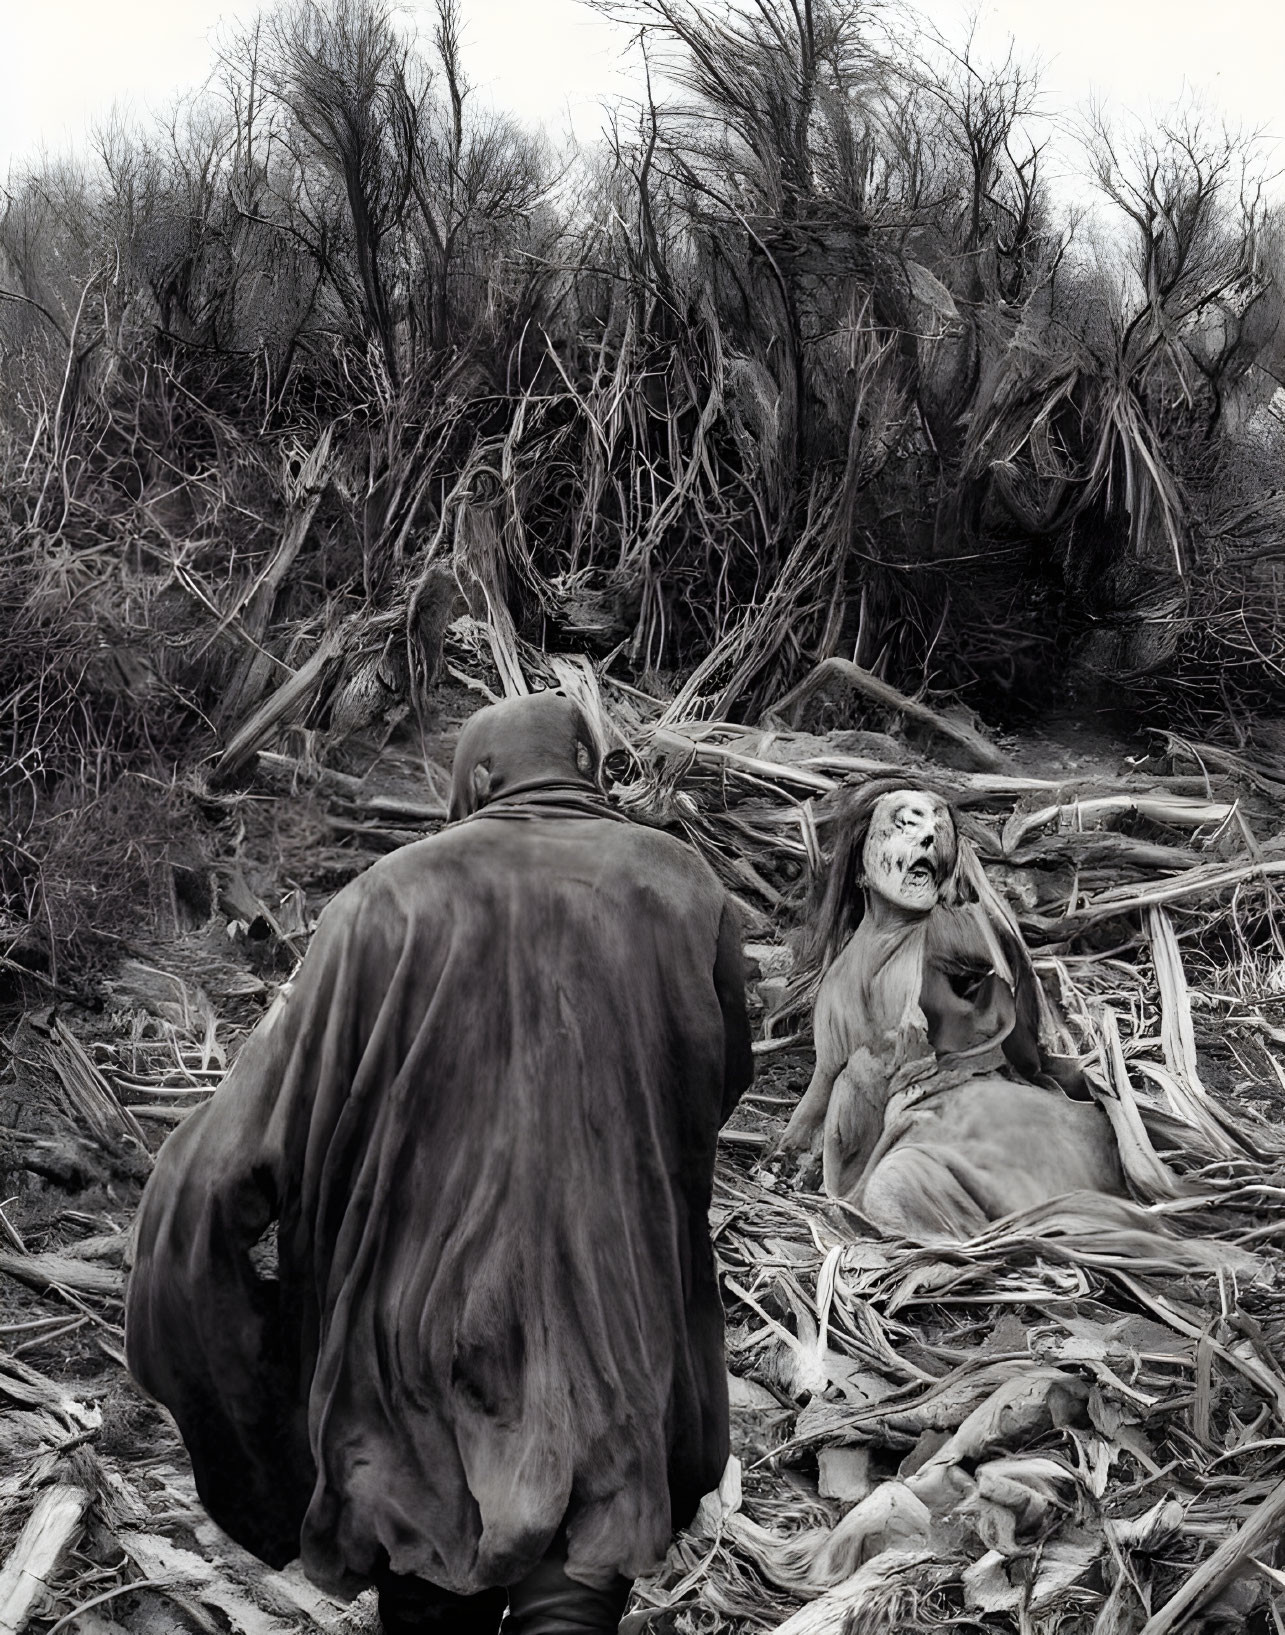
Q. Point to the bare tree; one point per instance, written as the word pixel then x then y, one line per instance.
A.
pixel 987 113
pixel 1191 195
pixel 474 178
pixel 337 69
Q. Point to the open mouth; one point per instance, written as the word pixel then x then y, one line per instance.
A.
pixel 921 873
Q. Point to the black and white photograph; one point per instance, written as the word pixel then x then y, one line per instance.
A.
pixel 642 817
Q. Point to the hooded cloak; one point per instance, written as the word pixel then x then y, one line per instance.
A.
pixel 484 1123
pixel 538 757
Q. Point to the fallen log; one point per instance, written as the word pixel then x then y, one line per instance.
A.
pixel 417 811
pixel 821 774
pixel 664 738
pixel 380 837
pixel 1265 777
pixel 743 1138
pixel 28 1388
pixel 108 1247
pixel 982 753
pixel 1180 811
pixel 203 1581
pixel 325 777
pixel 1101 849
pixel 51 1271
pixel 1194 883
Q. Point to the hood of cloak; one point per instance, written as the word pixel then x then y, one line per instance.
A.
pixel 526 756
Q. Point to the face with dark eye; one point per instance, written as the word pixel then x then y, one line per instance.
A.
pixel 910 850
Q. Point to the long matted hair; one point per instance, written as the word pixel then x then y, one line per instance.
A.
pixel 837 905
pixel 837 902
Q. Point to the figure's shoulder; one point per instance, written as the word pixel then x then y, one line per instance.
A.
pixel 456 850
pixel 661 855
pixel 393 878
pixel 647 840
pixel 466 855
pixel 958 930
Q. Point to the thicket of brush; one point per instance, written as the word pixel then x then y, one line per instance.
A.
pixel 802 359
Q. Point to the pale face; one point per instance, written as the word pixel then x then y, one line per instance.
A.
pixel 910 850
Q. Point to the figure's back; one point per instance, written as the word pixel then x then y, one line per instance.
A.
pixel 494 1098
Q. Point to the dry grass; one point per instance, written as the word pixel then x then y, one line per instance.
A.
pixel 1059 1422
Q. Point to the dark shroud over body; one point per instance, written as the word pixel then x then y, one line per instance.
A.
pixel 485 1120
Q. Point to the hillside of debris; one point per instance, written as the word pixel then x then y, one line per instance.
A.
pixel 809 359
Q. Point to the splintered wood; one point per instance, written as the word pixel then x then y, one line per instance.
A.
pixel 26 1577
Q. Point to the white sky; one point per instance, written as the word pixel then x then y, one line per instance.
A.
pixel 64 62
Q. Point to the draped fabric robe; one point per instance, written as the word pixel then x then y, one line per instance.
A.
pixel 943 1114
pixel 484 1122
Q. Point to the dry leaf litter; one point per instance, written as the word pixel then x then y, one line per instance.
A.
pixel 1068 1425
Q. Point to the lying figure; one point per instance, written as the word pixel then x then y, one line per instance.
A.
pixel 489 1367
pixel 932 1104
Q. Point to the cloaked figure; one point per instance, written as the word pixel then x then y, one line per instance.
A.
pixel 933 1105
pixel 489 1367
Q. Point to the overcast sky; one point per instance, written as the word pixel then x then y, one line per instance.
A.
pixel 64 62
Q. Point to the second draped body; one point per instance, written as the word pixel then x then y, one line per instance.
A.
pixel 942 1114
